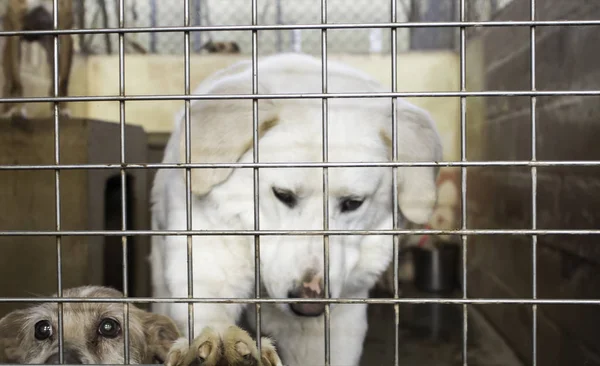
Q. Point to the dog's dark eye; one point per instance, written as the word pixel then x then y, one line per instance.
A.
pixel 43 330
pixel 109 328
pixel 288 198
pixel 350 204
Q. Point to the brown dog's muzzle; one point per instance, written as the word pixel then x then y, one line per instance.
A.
pixel 70 357
pixel 310 288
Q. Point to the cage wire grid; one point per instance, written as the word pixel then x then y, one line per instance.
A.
pixel 393 26
pixel 234 12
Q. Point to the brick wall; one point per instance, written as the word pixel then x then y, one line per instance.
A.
pixel 568 128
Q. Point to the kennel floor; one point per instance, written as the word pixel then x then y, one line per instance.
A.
pixel 431 335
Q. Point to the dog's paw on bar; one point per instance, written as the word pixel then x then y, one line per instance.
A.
pixel 234 348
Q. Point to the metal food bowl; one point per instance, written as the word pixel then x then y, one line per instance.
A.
pixel 436 268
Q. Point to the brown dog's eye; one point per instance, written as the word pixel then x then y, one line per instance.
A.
pixel 43 330
pixel 109 328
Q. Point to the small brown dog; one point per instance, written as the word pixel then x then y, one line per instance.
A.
pixel 93 334
pixel 30 15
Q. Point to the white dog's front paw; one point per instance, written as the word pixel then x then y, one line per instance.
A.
pixel 234 348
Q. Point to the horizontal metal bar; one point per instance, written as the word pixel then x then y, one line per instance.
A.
pixel 183 97
pixel 217 28
pixel 391 301
pixel 383 164
pixel 299 232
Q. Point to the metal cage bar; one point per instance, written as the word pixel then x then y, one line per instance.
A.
pixel 256 176
pixel 325 158
pixel 534 241
pixel 487 163
pixel 466 24
pixel 387 301
pixel 395 207
pixel 188 173
pixel 463 179
pixel 301 232
pixel 122 158
pixel 171 97
pixel 56 114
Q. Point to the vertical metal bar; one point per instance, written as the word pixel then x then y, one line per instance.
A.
pixel 533 102
pixel 255 158
pixel 463 170
pixel 57 180
pixel 121 13
pixel 188 173
pixel 325 129
pixel 395 213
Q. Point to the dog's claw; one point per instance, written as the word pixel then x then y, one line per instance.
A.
pixel 243 349
pixel 268 355
pixel 204 351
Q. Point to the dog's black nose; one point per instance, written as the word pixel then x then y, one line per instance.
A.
pixel 70 357
pixel 310 288
pixel 311 309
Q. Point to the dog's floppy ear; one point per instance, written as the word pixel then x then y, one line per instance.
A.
pixel 161 333
pixel 10 327
pixel 418 141
pixel 222 131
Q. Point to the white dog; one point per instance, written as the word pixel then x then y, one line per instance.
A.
pixel 290 199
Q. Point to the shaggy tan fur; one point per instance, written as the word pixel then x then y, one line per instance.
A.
pixel 150 335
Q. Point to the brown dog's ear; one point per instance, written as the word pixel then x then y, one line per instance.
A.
pixel 161 333
pixel 10 326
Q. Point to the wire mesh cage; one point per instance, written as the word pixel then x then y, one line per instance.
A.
pixel 152 13
pixel 322 28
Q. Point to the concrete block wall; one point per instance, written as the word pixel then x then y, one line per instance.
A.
pixel 87 202
pixel 567 198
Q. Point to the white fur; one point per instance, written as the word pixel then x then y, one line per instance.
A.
pixel 224 266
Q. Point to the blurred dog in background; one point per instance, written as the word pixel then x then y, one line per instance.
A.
pixel 35 15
